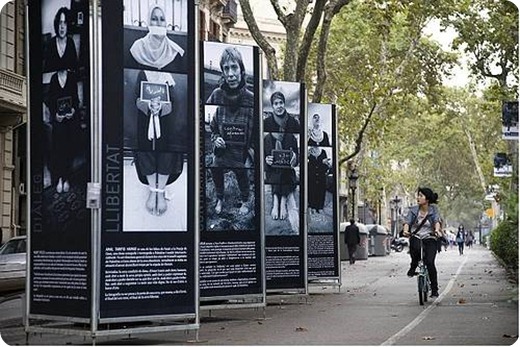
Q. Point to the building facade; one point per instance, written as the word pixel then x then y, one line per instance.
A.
pixel 13 117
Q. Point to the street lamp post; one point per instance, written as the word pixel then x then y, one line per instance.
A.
pixel 352 183
pixel 395 209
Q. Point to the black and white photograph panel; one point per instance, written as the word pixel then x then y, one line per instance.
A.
pixel 510 120
pixel 230 199
pixel 319 125
pixel 65 126
pixel 320 189
pixel 229 136
pixel 155 140
pixel 502 165
pixel 63 28
pixel 281 159
pixel 155 35
pixel 282 210
pixel 281 106
pixel 155 196
pixel 228 75
pixel 155 111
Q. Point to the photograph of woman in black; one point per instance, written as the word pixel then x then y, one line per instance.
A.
pixel 62 103
pixel 318 166
pixel 280 175
pixel 60 51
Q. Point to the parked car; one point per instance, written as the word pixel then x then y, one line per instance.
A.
pixel 13 264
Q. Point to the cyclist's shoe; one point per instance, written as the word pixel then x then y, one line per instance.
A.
pixel 435 293
pixel 411 272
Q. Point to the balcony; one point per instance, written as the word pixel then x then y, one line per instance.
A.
pixel 229 13
pixel 13 101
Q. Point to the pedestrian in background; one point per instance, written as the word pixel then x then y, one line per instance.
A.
pixel 352 239
pixel 469 239
pixel 460 239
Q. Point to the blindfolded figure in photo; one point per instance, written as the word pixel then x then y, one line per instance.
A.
pixel 155 50
pixel 281 175
pixel 60 52
pixel 157 164
pixel 318 165
pixel 232 128
pixel 317 136
pixel 280 120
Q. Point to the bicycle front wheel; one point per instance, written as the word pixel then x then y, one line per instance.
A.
pixel 421 289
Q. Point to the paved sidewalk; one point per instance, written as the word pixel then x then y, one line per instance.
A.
pixel 377 304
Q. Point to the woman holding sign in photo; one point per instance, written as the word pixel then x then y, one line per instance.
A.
pixel 232 128
pixel 62 102
pixel 281 157
pixel 156 163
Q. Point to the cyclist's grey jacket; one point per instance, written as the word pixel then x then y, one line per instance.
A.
pixel 429 225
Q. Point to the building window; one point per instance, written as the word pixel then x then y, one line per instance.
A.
pixel 214 34
pixel 202 26
pixel 7 37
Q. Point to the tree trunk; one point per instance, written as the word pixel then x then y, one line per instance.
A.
pixel 265 46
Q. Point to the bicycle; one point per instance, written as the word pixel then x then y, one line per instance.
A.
pixel 423 279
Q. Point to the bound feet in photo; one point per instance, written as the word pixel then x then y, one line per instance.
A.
pixel 279 210
pixel 63 186
pixel 156 203
pixel 244 209
pixel 218 206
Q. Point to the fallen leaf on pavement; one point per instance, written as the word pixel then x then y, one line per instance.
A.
pixel 301 329
pixel 510 336
pixel 260 323
pixel 462 301
pixel 462 285
pixel 428 338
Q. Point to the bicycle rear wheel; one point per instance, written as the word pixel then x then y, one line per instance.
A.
pixel 420 289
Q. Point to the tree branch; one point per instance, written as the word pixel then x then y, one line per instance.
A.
pixel 331 9
pixel 282 17
pixel 359 139
pixel 265 46
pixel 308 36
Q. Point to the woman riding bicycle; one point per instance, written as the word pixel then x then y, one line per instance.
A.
pixel 429 231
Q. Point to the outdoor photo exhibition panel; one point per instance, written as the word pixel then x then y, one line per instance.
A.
pixel 148 237
pixel 323 230
pixel 231 238
pixel 285 147
pixel 59 241
pixel 510 120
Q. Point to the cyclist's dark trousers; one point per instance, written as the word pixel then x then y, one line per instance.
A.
pixel 430 251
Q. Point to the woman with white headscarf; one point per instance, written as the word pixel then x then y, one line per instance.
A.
pixel 158 159
pixel 317 136
pixel 155 50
